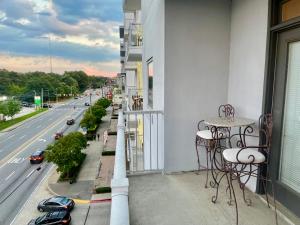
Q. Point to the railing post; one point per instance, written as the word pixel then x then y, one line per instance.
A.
pixel 119 183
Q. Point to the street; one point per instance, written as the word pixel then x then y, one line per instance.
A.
pixel 18 178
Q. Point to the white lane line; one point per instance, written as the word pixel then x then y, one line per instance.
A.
pixel 22 137
pixel 10 136
pixel 30 173
pixel 10 175
pixel 32 193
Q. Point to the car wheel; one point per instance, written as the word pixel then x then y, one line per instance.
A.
pixel 41 210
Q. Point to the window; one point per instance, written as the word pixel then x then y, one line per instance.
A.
pixel 150 82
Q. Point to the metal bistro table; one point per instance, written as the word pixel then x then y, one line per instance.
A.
pixel 221 128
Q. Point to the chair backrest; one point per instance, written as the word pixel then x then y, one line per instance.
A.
pixel 226 111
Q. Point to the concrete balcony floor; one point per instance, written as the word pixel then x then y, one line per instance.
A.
pixel 181 199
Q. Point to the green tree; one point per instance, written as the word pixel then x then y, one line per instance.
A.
pixel 10 107
pixel 89 120
pixel 104 102
pixel 13 107
pixel 66 153
pixel 98 111
pixel 15 90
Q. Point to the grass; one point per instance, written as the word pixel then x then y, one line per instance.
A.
pixel 9 123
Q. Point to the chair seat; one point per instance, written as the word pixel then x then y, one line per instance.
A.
pixel 245 156
pixel 205 134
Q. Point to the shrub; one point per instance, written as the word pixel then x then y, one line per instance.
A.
pixel 107 153
pixel 100 190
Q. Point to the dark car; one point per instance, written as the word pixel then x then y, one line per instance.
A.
pixel 58 135
pixel 70 122
pixel 25 104
pixel 46 105
pixel 37 157
pixel 87 104
pixel 76 97
pixel 55 218
pixel 56 203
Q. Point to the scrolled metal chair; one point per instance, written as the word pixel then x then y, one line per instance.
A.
pixel 206 137
pixel 243 161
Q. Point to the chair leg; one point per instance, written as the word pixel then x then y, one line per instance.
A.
pixel 197 152
pixel 206 167
pixel 233 193
pixel 228 188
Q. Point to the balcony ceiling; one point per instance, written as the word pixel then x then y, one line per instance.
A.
pixel 131 5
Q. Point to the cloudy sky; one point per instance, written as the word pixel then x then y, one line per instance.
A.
pixel 83 34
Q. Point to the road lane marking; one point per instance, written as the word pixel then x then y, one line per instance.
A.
pixel 22 137
pixel 10 136
pixel 30 173
pixel 10 175
pixel 30 141
pixel 33 192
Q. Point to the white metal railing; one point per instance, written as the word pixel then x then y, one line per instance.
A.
pixel 119 183
pixel 144 140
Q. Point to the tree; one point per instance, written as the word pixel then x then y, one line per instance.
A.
pixel 89 120
pixel 13 107
pixel 104 102
pixel 98 111
pixel 15 90
pixel 66 153
pixel 10 107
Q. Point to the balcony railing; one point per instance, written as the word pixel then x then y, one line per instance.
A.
pixel 119 184
pixel 135 41
pixel 144 142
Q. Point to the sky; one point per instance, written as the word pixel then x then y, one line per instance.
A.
pixel 78 34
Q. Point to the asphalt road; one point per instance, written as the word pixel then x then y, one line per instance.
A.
pixel 18 178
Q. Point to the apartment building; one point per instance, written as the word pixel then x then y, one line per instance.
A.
pixel 198 55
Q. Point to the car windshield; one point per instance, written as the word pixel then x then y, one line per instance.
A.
pixel 37 153
pixel 62 200
pixel 40 219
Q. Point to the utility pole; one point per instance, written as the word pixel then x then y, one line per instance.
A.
pixel 34 99
pixel 71 91
pixel 56 95
pixel 42 97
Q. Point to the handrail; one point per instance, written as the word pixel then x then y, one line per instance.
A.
pixel 119 183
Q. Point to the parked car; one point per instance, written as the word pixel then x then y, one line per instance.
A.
pixel 37 157
pixel 76 97
pixel 56 203
pixel 87 104
pixel 58 135
pixel 70 122
pixel 25 104
pixel 55 218
pixel 46 105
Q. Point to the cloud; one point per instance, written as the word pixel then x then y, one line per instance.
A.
pixel 60 65
pixel 80 30
pixel 75 10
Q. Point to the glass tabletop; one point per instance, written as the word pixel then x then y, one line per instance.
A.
pixel 229 122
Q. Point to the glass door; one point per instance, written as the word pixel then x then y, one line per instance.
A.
pixel 285 156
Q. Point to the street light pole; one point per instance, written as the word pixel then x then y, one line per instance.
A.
pixel 42 97
pixel 56 95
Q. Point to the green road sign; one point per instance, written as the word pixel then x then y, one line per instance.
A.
pixel 37 100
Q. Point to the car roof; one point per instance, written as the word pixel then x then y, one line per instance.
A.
pixel 57 199
pixel 57 214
